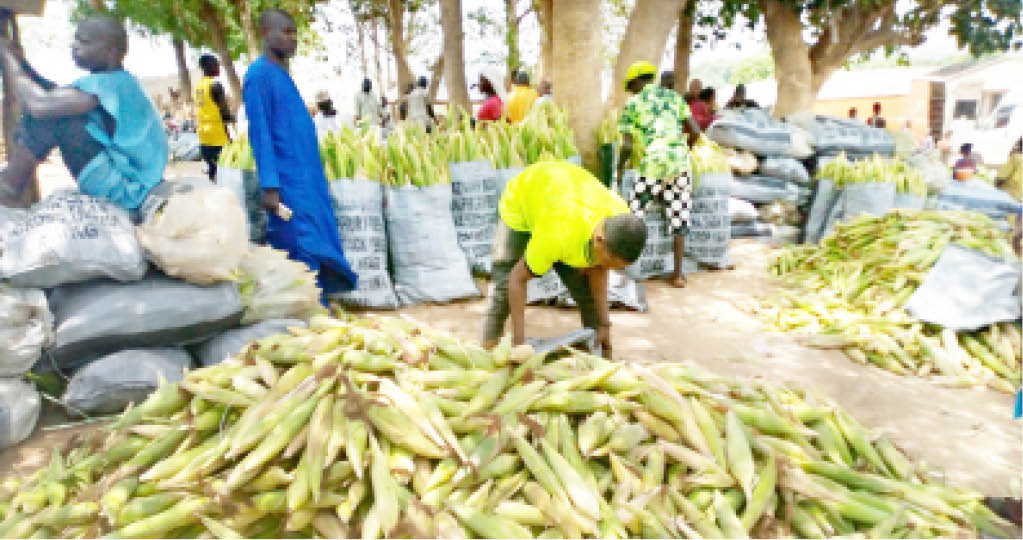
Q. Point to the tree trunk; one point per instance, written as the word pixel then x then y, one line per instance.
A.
pixel 98 6
pixel 184 78
pixel 396 22
pixel 577 50
pixel 454 55
pixel 361 32
pixel 436 74
pixel 792 67
pixel 683 47
pixel 645 39
pixel 544 15
pixel 248 29
pixel 219 40
pixel 377 48
pixel 511 37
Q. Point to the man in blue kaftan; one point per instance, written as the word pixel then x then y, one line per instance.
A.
pixel 287 153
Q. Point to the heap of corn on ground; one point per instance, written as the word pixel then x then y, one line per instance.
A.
pixel 381 427
pixel 849 292
pixel 843 172
pixel 412 157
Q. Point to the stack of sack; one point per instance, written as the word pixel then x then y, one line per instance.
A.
pixel 769 172
pixel 111 308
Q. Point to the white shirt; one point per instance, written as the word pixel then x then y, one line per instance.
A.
pixel 417 106
pixel 367 107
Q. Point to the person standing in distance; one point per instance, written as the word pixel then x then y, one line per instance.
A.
pixel 301 217
pixel 213 114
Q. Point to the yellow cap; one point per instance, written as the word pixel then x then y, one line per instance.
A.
pixel 637 70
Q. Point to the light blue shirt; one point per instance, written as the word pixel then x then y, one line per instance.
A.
pixel 134 158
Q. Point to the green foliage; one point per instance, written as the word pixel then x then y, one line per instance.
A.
pixel 751 69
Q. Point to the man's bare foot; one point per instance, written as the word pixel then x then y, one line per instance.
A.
pixel 678 282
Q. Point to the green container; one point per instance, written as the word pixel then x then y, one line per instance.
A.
pixel 608 163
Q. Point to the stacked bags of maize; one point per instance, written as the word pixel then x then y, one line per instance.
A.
pixel 382 427
pixel 850 291
pixel 847 189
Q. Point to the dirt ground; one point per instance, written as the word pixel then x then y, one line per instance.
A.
pixel 966 435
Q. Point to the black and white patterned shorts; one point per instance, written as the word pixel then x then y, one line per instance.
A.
pixel 675 193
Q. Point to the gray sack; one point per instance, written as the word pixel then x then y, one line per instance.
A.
pixel 824 200
pixel 109 384
pixel 658 255
pixel 474 199
pixel 245 185
pixel 785 168
pixel 100 317
pixel 976 195
pixel 967 290
pixel 873 198
pixel 428 264
pixel 359 208
pixel 710 227
pixel 232 342
pixel 19 411
pixel 26 326
pixel 765 189
pixel 70 237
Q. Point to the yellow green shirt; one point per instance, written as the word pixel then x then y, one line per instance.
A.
pixel 560 204
pixel 1012 174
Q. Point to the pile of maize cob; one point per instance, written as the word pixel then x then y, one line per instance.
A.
pixel 707 157
pixel 875 169
pixel 849 291
pixel 381 427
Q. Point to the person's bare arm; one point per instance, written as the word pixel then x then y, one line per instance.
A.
pixel 625 153
pixel 517 280
pixel 694 130
pixel 597 277
pixel 38 101
pixel 220 98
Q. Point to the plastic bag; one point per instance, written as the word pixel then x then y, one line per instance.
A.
pixel 967 290
pixel 709 224
pixel 359 208
pixel 70 237
pixel 474 199
pixel 185 147
pixel 199 234
pixel 428 264
pixel 26 326
pixel 109 384
pixel 658 255
pixel 740 211
pixel 785 168
pixel 232 342
pixel 19 411
pixel 273 286
pixel 100 317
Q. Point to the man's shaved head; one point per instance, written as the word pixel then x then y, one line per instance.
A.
pixel 100 44
pixel 108 28
pixel 272 17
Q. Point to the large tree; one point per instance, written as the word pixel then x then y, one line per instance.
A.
pixel 453 57
pixel 576 78
pixel 646 35
pixel 811 39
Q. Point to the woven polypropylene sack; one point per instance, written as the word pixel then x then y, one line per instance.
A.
pixel 19 411
pixel 26 326
pixel 100 317
pixel 474 199
pixel 108 384
pixel 428 264
pixel 710 226
pixel 70 237
pixel 359 208
pixel 658 255
pixel 234 341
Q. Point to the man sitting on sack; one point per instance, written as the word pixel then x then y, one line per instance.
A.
pixel 557 215
pixel 109 133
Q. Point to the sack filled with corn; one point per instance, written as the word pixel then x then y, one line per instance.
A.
pixel 849 291
pixel 382 427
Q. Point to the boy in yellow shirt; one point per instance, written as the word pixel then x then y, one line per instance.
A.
pixel 521 98
pixel 557 215
pixel 213 113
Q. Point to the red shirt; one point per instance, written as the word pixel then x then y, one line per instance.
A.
pixel 491 110
pixel 701 113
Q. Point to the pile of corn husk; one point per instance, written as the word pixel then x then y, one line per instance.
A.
pixel 849 292
pixel 382 427
pixel 907 179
